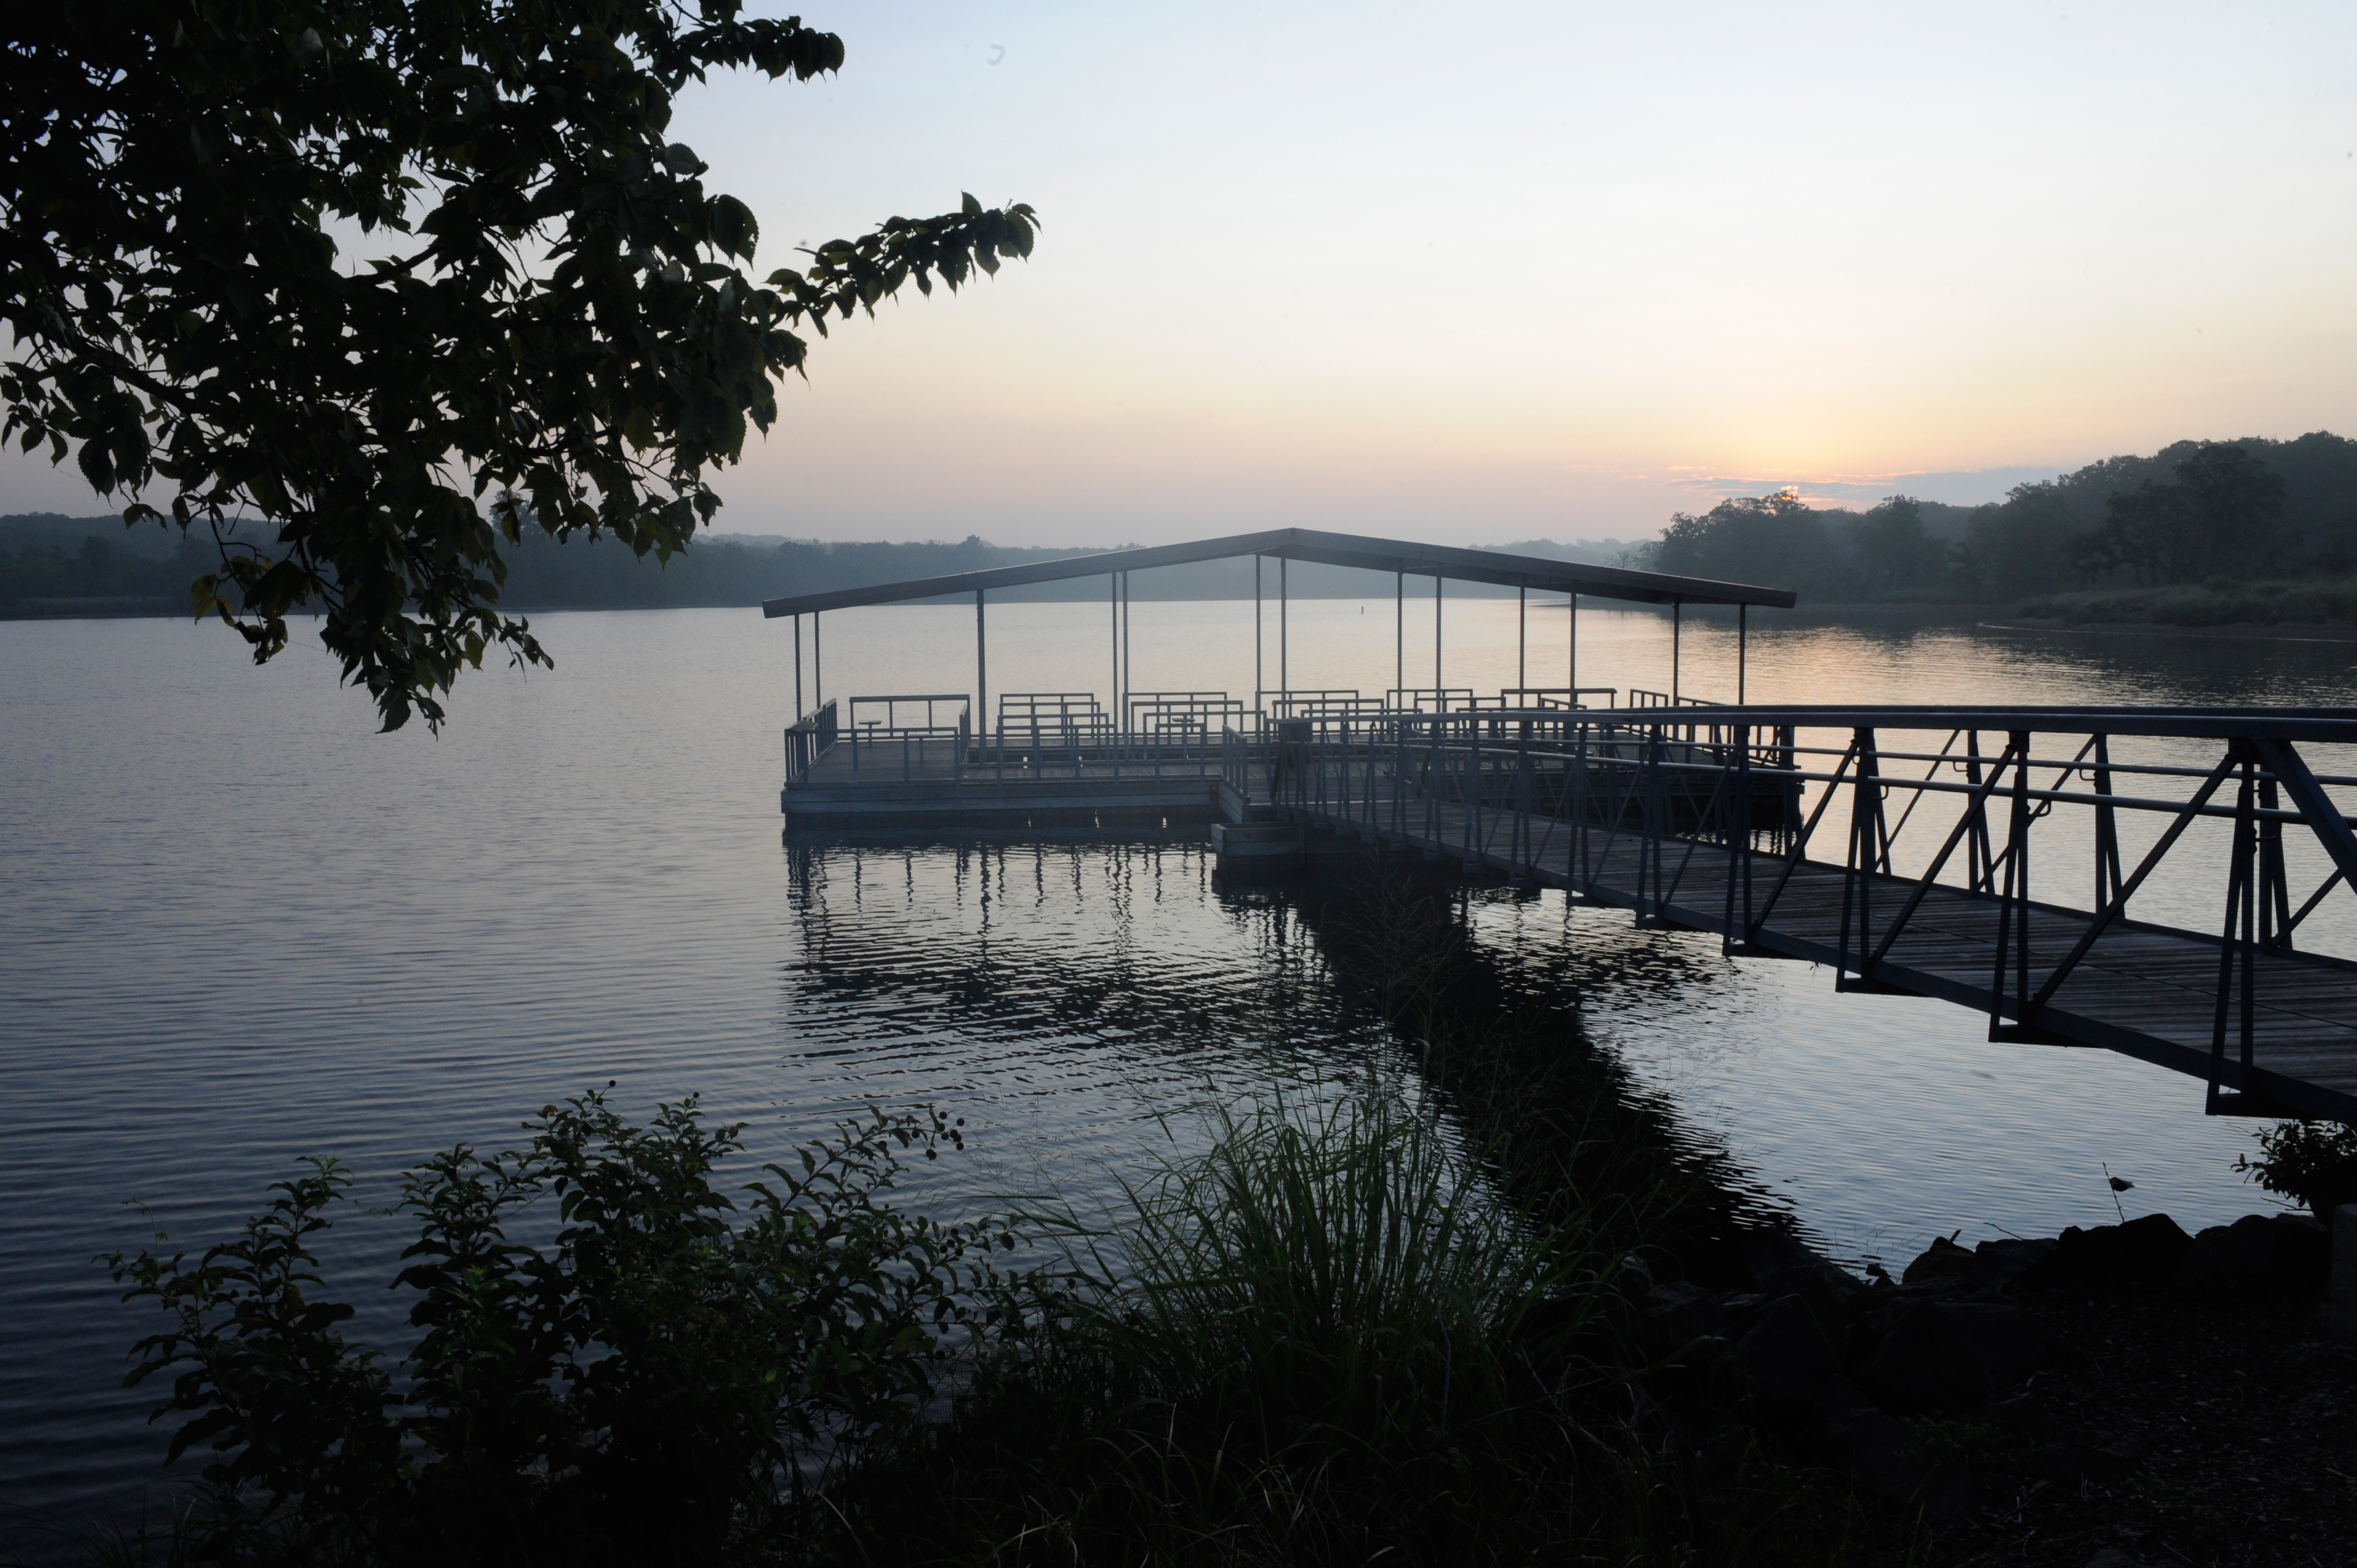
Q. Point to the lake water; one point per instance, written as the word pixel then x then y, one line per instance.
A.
pixel 241 927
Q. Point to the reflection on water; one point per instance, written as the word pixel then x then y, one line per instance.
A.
pixel 240 929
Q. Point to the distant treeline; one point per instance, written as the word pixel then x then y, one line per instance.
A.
pixel 2199 510
pixel 52 564
pixel 2189 513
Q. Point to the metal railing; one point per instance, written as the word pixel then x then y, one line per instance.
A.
pixel 886 729
pixel 809 738
pixel 1642 800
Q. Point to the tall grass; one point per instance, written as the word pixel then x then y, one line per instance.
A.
pixel 1336 1269
pixel 1329 1338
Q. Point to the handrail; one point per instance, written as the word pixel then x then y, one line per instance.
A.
pixel 1570 791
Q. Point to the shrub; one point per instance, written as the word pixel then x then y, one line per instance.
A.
pixel 662 1381
pixel 2314 1162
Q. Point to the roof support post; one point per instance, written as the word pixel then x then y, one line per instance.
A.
pixel 1399 637
pixel 981 666
pixel 1284 656
pixel 1522 638
pixel 1258 681
pixel 1439 690
pixel 798 669
pixel 818 667
pixel 1677 633
pixel 1572 674
pixel 1742 648
pixel 1112 615
pixel 1121 714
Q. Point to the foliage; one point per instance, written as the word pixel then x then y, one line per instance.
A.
pixel 1338 1269
pixel 2188 513
pixel 658 1381
pixel 1887 551
pixel 1893 549
pixel 1748 539
pixel 562 323
pixel 2314 1162
pixel 2218 514
pixel 1330 1338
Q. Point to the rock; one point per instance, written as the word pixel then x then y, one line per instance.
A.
pixel 2255 1251
pixel 1996 1264
pixel 1678 1313
pixel 1943 1260
pixel 1952 1356
pixel 2146 1249
pixel 1783 1265
pixel 1790 1359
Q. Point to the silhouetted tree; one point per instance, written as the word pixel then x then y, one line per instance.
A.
pixel 1895 552
pixel 559 310
pixel 2218 519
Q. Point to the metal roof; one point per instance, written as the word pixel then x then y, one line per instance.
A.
pixel 1327 549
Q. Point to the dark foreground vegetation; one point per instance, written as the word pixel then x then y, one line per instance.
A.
pixel 1487 1308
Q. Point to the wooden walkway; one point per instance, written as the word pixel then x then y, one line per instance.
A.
pixel 2148 991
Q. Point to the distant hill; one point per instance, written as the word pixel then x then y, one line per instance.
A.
pixel 2079 528
pixel 52 564
pixel 2152 519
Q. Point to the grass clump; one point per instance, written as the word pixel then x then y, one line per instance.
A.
pixel 1332 1338
pixel 1338 1270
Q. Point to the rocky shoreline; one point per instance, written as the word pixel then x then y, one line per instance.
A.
pixel 2121 1397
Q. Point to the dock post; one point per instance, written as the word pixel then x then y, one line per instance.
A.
pixel 1522 641
pixel 1742 648
pixel 1258 680
pixel 1439 687
pixel 1677 633
pixel 1283 647
pixel 2014 906
pixel 1399 635
pixel 818 667
pixel 1579 878
pixel 981 666
pixel 798 669
pixel 2108 835
pixel 1572 674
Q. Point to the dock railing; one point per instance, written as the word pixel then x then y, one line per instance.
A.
pixel 1045 735
pixel 809 738
pixel 1929 803
pixel 903 732
pixel 1177 727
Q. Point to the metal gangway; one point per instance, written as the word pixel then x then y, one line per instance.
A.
pixel 1898 846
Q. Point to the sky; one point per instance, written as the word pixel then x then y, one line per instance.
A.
pixel 1488 273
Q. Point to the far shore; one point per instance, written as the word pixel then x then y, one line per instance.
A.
pixel 2232 631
